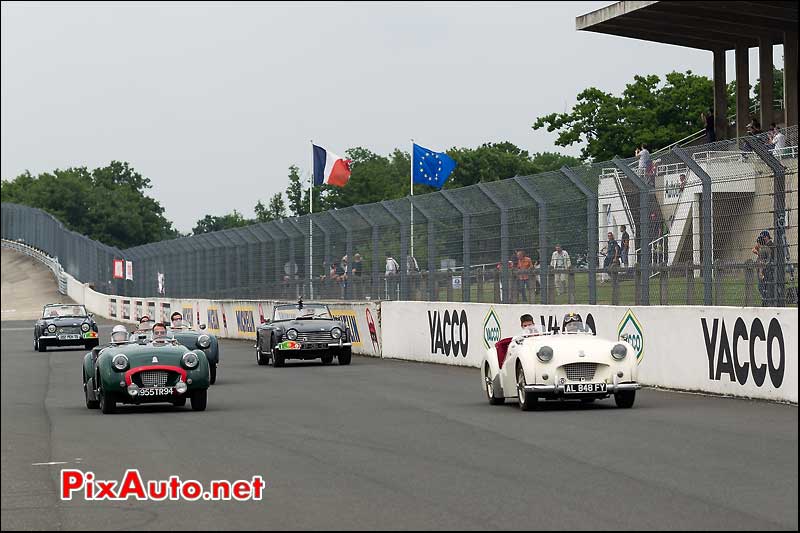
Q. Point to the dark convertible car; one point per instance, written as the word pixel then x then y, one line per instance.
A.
pixel 65 325
pixel 302 331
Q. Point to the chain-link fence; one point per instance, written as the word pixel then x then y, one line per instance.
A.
pixel 714 224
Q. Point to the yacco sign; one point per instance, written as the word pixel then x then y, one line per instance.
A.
pixel 112 307
pixel 244 320
pixel 126 309
pixel 492 332
pixel 449 333
pixel 631 330
pixel 740 354
pixel 349 318
pixel 213 318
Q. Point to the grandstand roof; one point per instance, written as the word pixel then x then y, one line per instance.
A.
pixel 707 25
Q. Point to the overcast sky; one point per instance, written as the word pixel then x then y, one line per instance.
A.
pixel 214 101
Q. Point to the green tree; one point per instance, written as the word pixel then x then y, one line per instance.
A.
pixel 211 223
pixel 274 210
pixel 107 204
pixel 648 111
pixel 294 193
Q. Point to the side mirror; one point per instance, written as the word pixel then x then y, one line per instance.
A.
pixel 91 315
pixel 202 326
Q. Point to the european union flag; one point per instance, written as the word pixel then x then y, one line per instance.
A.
pixel 431 168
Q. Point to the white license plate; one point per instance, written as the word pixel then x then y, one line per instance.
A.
pixel 155 391
pixel 70 337
pixel 584 388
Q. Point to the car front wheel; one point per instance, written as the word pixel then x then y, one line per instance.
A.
pixel 199 400
pixel 493 400
pixel 344 357
pixel 212 373
pixel 277 358
pixel 90 404
pixel 42 347
pixel 527 401
pixel 108 405
pixel 625 399
pixel 261 359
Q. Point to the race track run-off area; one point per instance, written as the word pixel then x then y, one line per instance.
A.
pixel 384 444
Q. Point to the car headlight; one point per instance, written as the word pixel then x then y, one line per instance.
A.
pixel 291 334
pixel 204 341
pixel 51 328
pixel 545 354
pixel 619 351
pixel 84 327
pixel 190 360
pixel 120 361
pixel 336 333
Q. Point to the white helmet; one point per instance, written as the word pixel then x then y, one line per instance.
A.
pixel 119 334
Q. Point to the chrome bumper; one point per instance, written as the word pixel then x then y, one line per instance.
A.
pixel 558 390
pixel 338 344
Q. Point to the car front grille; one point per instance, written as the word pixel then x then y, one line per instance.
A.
pixel 68 330
pixel 580 371
pixel 315 336
pixel 154 378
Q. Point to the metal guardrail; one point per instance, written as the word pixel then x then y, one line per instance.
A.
pixel 50 262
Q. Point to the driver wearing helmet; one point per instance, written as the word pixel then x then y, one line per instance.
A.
pixel 119 334
pixel 145 324
pixel 573 323
pixel 176 319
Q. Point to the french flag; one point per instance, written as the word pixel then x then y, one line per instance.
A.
pixel 329 168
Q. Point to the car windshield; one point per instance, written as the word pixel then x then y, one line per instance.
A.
pixel 180 324
pixel 56 311
pixel 293 312
pixel 575 327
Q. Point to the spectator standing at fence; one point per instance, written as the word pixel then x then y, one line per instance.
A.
pixel 612 252
pixel 560 263
pixel 778 141
pixel 342 271
pixel 392 270
pixel 357 267
pixel 708 120
pixel 625 241
pixel 537 279
pixel 645 161
pixel 411 265
pixel 392 266
pixel 765 251
pixel 523 271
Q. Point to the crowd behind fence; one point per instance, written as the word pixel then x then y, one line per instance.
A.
pixel 713 224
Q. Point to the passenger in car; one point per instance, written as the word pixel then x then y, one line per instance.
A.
pixel 528 325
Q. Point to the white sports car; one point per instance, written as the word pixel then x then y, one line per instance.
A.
pixel 572 365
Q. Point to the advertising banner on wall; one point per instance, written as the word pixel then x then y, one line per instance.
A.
pixel 750 352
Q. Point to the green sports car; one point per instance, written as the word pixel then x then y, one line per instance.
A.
pixel 151 370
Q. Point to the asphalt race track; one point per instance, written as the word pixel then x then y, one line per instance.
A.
pixel 391 445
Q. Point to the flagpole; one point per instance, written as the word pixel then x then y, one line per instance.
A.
pixel 412 197
pixel 311 226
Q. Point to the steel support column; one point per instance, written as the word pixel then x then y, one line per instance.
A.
pixel 591 219
pixel 645 191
